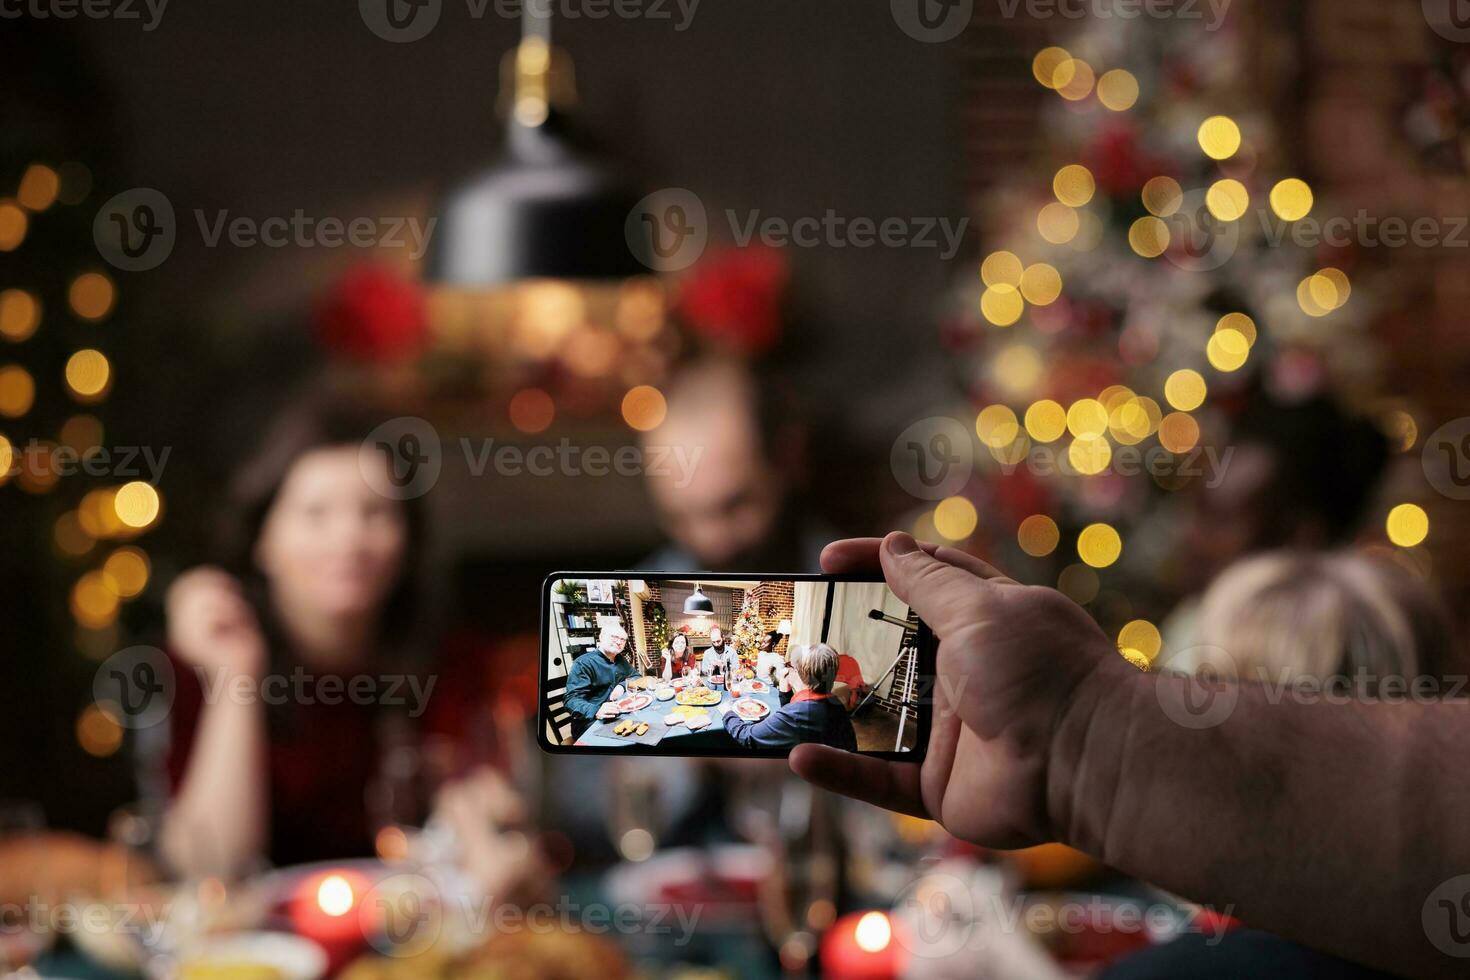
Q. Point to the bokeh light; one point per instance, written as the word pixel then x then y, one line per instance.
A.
pixel 1079 583
pixel 1149 237
pixel 1087 418
pixel 137 504
pixel 1142 637
pixel 1118 90
pixel 20 314
pixel 126 571
pixel 1001 269
pixel 1291 199
pixel 1074 185
pixel 1163 197
pixel 955 518
pixel 91 296
pixel 13 225
pixel 1038 535
pixel 1227 350
pixel 1099 545
pixel 17 391
pixel 1041 284
pixel 531 410
pixel 1090 456
pixel 38 188
pixel 1054 67
pixel 1046 421
pixel 1080 85
pixel 1057 223
pixel 1178 432
pixel 1228 199
pixel 996 426
pixel 98 733
pixel 1185 390
pixel 1241 324
pixel 1002 305
pixel 644 408
pixel 88 375
pixel 1219 137
pixel 1408 525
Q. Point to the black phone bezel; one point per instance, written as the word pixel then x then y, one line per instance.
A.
pixel 926 644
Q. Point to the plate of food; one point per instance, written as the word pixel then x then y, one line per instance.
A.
pixel 679 683
pixel 749 709
pixel 698 696
pixel 665 693
pixel 634 702
pixel 756 687
pixel 641 683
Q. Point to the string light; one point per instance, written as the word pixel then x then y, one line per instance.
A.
pixel 1149 237
pixel 996 426
pixel 88 375
pixel 1227 350
pixel 1002 305
pixel 1041 284
pixel 137 504
pixel 13 225
pixel 38 187
pixel 1001 269
pixel 1178 432
pixel 1142 637
pixel 17 391
pixel 1241 324
pixel 1087 418
pixel 1054 67
pixel 1228 199
pixel 1090 456
pixel 91 296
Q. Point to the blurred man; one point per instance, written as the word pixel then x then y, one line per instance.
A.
pixel 740 510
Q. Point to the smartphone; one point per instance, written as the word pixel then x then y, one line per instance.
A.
pixel 723 665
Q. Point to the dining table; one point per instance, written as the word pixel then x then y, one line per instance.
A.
pixel 600 733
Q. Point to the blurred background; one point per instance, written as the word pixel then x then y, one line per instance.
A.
pixel 1115 302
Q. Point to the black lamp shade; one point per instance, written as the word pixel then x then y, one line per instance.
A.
pixel 698 604
pixel 546 210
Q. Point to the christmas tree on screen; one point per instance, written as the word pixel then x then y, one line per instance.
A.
pixel 748 631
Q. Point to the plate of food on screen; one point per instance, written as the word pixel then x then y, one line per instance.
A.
pixel 698 696
pixel 641 683
pixel 635 702
pixel 665 693
pixel 756 687
pixel 749 709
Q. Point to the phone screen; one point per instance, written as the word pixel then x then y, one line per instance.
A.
pixel 731 665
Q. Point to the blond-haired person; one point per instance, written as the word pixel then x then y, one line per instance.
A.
pixel 1343 619
pixel 808 712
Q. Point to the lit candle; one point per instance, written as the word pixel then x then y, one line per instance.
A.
pixel 325 908
pixel 861 946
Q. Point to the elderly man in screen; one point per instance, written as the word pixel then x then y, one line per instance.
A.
pixel 720 657
pixel 596 679
pixel 807 713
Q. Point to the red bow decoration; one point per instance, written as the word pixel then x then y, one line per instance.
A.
pixel 734 299
pixel 373 314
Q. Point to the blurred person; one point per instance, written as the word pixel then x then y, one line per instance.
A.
pixel 1336 617
pixel 1215 792
pixel 307 661
pixel 741 507
pixel 596 679
pixel 1296 476
pixel 808 713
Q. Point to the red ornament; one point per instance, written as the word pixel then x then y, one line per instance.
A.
pixel 373 314
pixel 734 299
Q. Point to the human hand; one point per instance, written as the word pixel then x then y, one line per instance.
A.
pixel 617 692
pixel 608 710
pixel 210 623
pixel 1015 663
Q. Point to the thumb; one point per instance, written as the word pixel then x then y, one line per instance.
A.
pixel 945 596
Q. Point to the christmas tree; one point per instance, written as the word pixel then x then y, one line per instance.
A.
pixel 748 631
pixel 1146 280
pixel 656 628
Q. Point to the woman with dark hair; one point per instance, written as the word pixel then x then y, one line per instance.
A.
pixel 298 658
pixel 678 659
